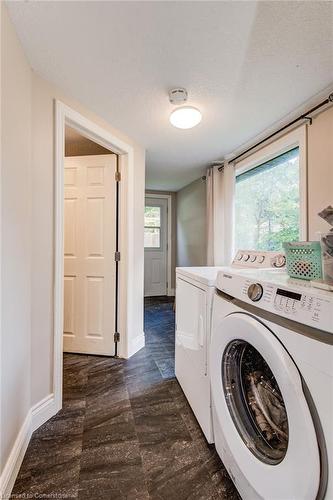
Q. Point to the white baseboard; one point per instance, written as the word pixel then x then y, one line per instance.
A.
pixel 171 292
pixel 37 415
pixel 15 458
pixel 43 411
pixel 136 344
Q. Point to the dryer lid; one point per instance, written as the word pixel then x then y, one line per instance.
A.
pixel 205 275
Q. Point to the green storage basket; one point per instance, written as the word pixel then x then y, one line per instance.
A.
pixel 303 260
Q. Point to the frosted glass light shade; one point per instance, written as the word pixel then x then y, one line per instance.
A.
pixel 185 117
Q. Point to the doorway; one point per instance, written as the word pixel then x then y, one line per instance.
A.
pixel 90 246
pixel 157 243
pixel 128 340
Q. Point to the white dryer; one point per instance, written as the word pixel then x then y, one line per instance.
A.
pixel 271 363
pixel 195 289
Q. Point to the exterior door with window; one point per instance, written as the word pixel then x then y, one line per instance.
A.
pixel 155 246
pixel 89 249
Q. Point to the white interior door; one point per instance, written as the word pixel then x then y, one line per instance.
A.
pixel 156 241
pixel 89 251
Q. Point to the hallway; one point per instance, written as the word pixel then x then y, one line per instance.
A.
pixel 126 430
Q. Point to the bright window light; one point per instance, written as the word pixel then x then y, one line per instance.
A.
pixel 267 204
pixel 152 234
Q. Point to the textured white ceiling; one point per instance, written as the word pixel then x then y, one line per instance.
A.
pixel 244 64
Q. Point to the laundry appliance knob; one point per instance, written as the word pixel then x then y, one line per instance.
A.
pixel 255 291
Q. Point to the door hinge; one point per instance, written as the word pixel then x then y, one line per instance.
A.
pixel 117 256
pixel 117 176
pixel 116 336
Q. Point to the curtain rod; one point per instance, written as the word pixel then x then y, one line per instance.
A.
pixel 304 116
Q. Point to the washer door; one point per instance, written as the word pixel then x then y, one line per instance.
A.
pixel 262 412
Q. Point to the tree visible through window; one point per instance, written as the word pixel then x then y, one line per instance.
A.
pixel 267 204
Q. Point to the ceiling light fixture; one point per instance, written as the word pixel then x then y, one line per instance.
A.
pixel 185 116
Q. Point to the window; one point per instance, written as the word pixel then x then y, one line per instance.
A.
pixel 267 204
pixel 152 227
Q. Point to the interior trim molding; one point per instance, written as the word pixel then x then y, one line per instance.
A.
pixel 43 411
pixel 13 464
pixel 36 416
pixel 136 344
pixel 65 115
pixel 171 292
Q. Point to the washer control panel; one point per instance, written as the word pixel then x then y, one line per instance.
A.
pixel 274 291
pixel 300 307
pixel 286 301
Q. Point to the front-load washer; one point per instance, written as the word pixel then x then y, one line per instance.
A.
pixel 271 364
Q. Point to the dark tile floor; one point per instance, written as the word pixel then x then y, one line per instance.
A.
pixel 125 431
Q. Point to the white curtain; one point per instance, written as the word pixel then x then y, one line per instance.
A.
pixel 220 186
pixel 210 180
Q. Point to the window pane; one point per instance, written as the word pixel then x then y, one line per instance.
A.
pixel 267 204
pixel 153 216
pixel 152 237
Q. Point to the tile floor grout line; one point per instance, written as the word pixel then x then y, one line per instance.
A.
pixel 139 445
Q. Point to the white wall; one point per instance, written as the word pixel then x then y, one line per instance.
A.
pixel 28 132
pixel 16 236
pixel 191 225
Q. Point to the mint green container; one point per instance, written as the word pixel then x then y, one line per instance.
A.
pixel 303 260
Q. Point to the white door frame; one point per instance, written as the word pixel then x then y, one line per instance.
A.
pixel 64 115
pixel 168 197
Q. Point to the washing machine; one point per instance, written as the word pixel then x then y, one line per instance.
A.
pixel 271 363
